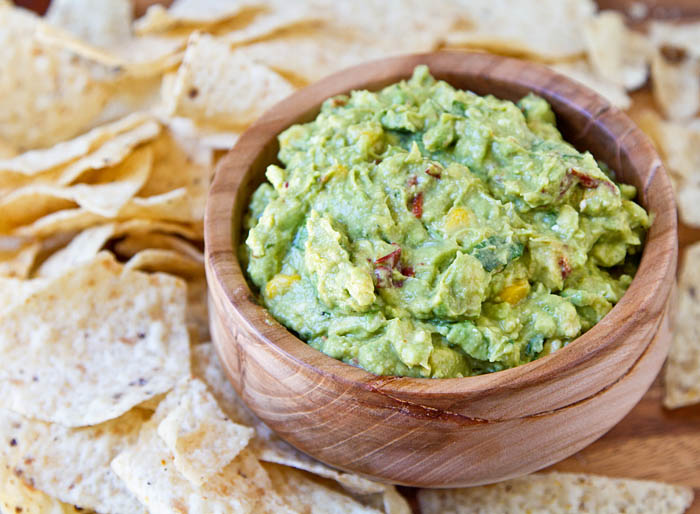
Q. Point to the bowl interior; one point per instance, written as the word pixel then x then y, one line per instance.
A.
pixel 586 120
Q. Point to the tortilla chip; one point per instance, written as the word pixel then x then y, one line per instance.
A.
pixel 282 15
pixel 549 30
pixel 96 341
pixel 682 375
pixel 83 249
pixel 16 496
pixel 147 226
pixel 135 243
pixel 676 85
pixel 148 471
pixel 394 502
pixel 105 23
pixel 72 464
pixel 307 55
pixel 7 150
pixel 677 142
pixel 132 94
pixel 209 137
pixel 198 434
pixel 120 184
pixel 42 83
pixel 688 199
pixel 111 153
pixel 37 161
pixel 219 86
pixel 195 13
pixel 18 263
pixel 167 261
pixel 139 56
pixel 677 35
pixel 616 52
pixel 560 493
pixel 304 494
pixel 582 72
pixel 72 220
pixel 268 446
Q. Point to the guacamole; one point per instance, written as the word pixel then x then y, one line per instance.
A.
pixel 426 231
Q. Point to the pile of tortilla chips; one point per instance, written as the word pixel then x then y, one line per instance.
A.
pixel 112 399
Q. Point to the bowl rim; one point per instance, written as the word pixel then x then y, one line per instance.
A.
pixel 224 268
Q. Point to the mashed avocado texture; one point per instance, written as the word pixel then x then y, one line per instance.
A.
pixel 431 232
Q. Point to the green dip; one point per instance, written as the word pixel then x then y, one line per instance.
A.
pixel 431 232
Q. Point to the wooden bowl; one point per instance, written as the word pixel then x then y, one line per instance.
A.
pixel 445 432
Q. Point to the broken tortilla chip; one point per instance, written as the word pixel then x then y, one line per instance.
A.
pixel 80 335
pixel 557 493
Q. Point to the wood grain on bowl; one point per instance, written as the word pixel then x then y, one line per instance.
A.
pixel 454 431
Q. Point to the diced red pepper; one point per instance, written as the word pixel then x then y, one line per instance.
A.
pixel 407 271
pixel 412 181
pixel 564 266
pixel 417 205
pixel 391 259
pixel 585 180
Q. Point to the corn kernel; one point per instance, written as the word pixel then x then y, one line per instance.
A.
pixel 515 292
pixel 458 218
pixel 279 284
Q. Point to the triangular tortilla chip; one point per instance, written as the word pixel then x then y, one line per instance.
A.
pixel 219 86
pixel 92 343
pixel 45 96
